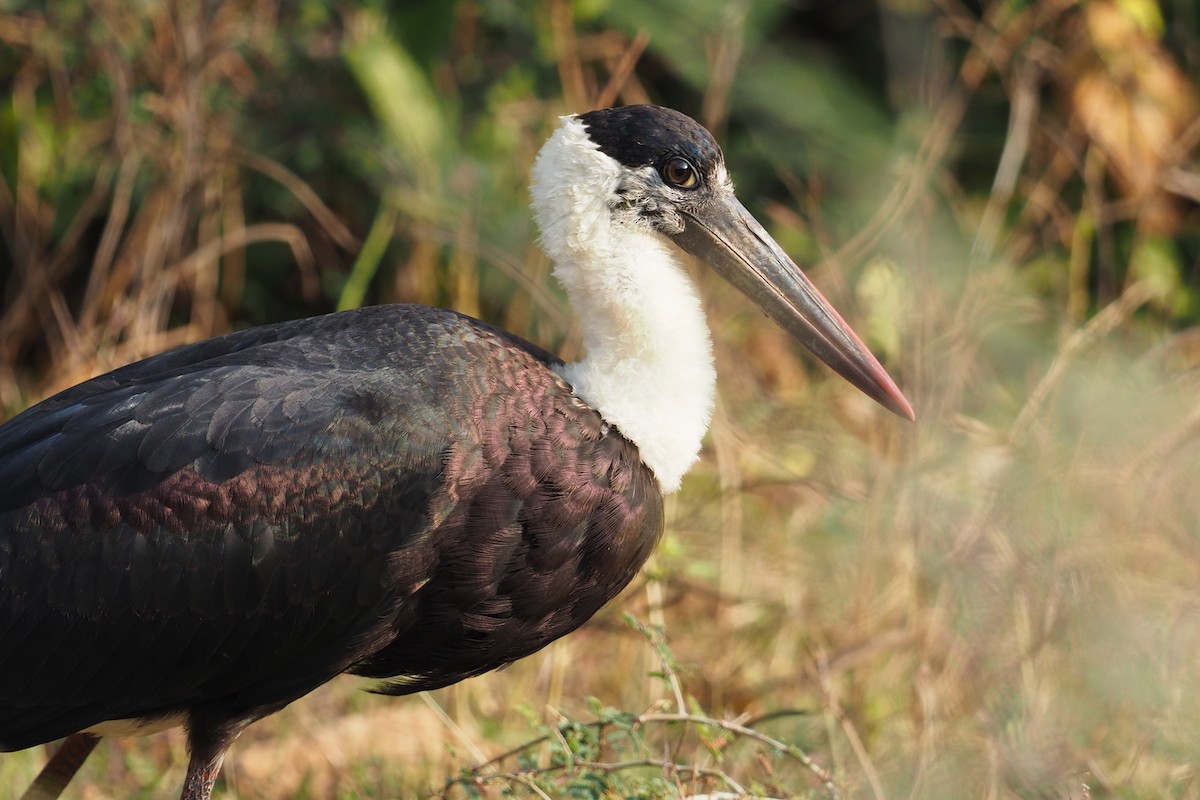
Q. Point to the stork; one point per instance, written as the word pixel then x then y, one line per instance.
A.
pixel 398 492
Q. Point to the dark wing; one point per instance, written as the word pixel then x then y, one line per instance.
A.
pixel 220 406
pixel 396 491
pixel 180 528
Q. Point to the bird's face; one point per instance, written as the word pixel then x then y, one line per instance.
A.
pixel 672 180
pixel 671 168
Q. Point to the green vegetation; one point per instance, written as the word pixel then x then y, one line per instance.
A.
pixel 1000 601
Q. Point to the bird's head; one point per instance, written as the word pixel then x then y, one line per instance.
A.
pixel 654 169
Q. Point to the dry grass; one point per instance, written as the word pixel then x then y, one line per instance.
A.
pixel 1000 601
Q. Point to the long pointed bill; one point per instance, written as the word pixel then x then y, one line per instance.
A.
pixel 725 236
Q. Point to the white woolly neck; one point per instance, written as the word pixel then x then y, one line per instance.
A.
pixel 649 366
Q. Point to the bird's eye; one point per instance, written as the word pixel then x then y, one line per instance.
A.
pixel 679 172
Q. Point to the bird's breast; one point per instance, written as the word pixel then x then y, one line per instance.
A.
pixel 545 513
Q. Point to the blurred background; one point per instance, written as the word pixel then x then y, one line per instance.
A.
pixel 1002 600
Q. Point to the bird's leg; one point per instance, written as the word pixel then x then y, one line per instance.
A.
pixel 61 767
pixel 208 740
pixel 201 776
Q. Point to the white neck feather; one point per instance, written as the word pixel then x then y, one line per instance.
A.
pixel 649 366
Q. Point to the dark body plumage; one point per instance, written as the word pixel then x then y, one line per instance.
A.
pixel 397 492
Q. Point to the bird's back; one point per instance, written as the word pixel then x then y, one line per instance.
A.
pixel 400 492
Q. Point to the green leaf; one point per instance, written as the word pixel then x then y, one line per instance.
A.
pixel 881 295
pixel 1153 262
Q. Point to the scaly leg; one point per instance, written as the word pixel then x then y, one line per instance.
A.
pixel 201 776
pixel 209 737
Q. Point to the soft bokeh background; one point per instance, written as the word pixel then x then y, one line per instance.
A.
pixel 1002 600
